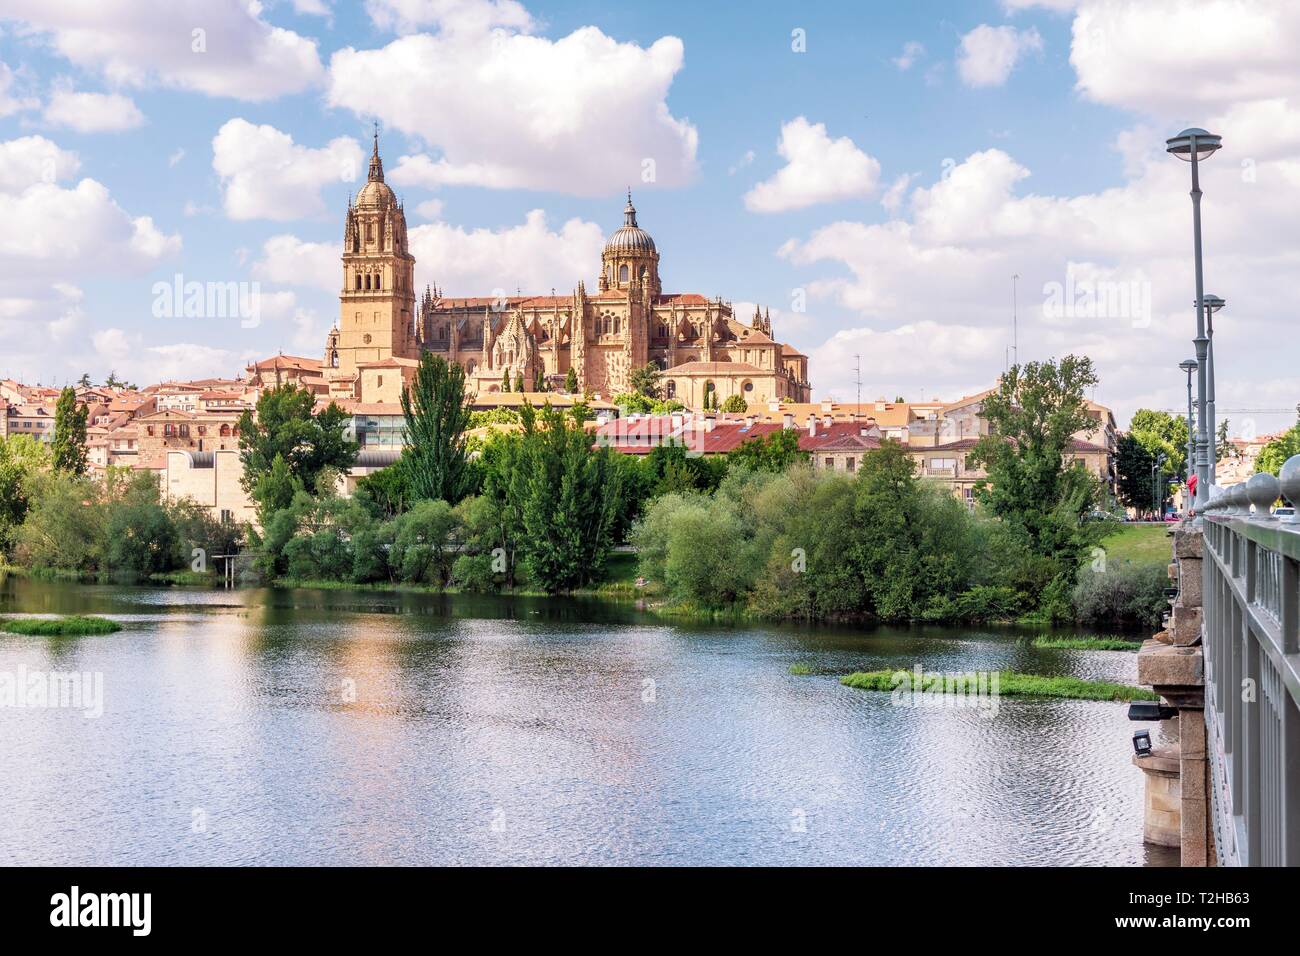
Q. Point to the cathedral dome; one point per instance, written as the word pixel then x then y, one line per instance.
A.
pixel 376 192
pixel 630 239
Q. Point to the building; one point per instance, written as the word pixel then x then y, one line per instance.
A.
pixel 836 446
pixel 698 343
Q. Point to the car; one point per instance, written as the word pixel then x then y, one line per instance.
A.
pixel 1284 512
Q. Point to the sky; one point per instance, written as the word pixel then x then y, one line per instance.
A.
pixel 912 189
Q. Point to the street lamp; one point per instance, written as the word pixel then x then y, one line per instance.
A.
pixel 1157 500
pixel 1189 366
pixel 1212 304
pixel 1193 146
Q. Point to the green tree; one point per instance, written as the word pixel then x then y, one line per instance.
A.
pixel 309 443
pixel 84 381
pixel 571 496
pixel 1162 433
pixel 1133 464
pixel 1274 455
pixel 422 543
pixel 437 416
pixel 113 381
pixel 505 380
pixel 775 451
pixel 69 445
pixel 571 380
pixel 644 380
pixel 539 382
pixel 1033 416
pixel 140 536
pixel 735 403
pixel 634 403
pixel 1221 447
pixel 22 460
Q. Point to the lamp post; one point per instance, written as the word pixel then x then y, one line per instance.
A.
pixel 1189 366
pixel 1212 304
pixel 1194 145
pixel 1157 500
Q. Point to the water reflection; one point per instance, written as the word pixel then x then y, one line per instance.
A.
pixel 328 727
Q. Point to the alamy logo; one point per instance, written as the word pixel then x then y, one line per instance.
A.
pixel 179 299
pixel 22 688
pixel 75 908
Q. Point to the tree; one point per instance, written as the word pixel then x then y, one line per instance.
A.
pixel 1274 455
pixel 113 381
pixel 1162 433
pixel 634 402
pixel 1221 447
pixel 539 382
pixel 69 446
pixel 519 382
pixel 84 381
pixel 22 460
pixel 775 451
pixel 1033 416
pixel 436 418
pixel 735 403
pixel 1133 463
pixel 571 495
pixel 305 442
pixel 505 380
pixel 423 538
pixel 571 380
pixel 644 380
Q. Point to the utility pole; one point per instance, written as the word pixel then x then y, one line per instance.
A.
pixel 1015 324
pixel 857 359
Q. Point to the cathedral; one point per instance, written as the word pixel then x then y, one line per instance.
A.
pixel 626 322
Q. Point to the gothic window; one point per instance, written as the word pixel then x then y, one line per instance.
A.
pixel 334 360
pixel 358 281
pixel 622 274
pixel 616 326
pixel 379 281
pixel 367 280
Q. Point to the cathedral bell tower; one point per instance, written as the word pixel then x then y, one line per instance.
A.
pixel 377 304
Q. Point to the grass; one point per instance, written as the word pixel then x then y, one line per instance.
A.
pixel 1140 544
pixel 1010 684
pixel 800 669
pixel 1086 643
pixel 59 626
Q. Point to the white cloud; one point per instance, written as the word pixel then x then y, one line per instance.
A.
pixel 11 101
pixel 912 51
pixel 430 209
pixel 746 160
pixel 265 175
pixel 91 112
pixel 217 47
pixel 818 169
pixel 503 109
pixel 988 54
pixel 129 355
pixel 176 157
pixel 942 272
pixel 407 16
pixel 530 256
pixel 33 159
pixel 288 259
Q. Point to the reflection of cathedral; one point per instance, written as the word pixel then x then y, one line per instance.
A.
pixel 628 322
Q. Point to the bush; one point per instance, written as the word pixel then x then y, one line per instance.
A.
pixel 1127 596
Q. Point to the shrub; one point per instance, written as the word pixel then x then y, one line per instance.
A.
pixel 1127 596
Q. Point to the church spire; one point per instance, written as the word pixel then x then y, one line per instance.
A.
pixel 377 164
pixel 629 211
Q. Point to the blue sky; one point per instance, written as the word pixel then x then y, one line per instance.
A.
pixel 1069 178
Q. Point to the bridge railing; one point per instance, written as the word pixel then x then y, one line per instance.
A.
pixel 1251 638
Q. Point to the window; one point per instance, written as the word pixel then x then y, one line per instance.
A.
pixel 379 281
pixel 226 516
pixel 358 280
pixel 380 382
pixel 848 464
pixel 367 280
pixel 830 464
pixel 622 275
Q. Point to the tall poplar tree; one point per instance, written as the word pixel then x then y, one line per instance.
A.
pixel 436 419
pixel 69 447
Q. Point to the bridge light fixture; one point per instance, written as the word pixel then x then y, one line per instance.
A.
pixel 1193 143
pixel 1142 743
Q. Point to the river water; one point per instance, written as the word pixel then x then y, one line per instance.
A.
pixel 334 727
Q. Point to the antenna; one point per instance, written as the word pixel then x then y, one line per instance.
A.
pixel 1015 325
pixel 858 369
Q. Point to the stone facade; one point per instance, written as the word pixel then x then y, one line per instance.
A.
pixel 628 322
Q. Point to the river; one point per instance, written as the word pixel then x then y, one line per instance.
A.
pixel 340 727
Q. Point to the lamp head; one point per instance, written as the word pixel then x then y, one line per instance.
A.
pixel 1194 142
pixel 1213 302
pixel 1189 365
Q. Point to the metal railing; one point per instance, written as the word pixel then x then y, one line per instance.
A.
pixel 1251 637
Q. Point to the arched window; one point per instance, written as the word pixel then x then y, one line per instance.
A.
pixel 622 275
pixel 379 281
pixel 358 281
pixel 616 326
pixel 367 280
